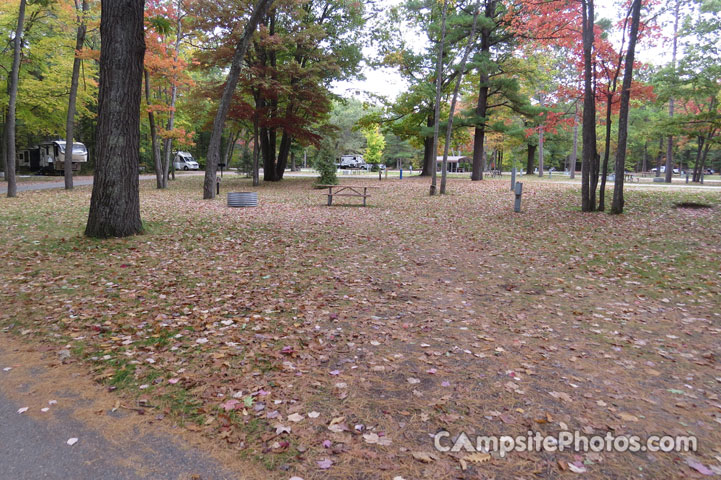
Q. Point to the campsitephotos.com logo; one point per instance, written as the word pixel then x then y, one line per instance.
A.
pixel 573 441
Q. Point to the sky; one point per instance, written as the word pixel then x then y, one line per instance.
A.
pixel 388 83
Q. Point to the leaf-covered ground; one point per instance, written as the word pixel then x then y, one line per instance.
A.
pixel 335 342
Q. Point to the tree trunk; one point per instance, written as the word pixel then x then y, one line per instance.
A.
pixel 4 145
pixel 574 152
pixel 259 11
pixel 115 202
pixel 669 147
pixel 530 159
pixel 540 151
pixel 12 103
pixel 454 99
pixel 606 154
pixel 429 157
pixel 168 143
pixel 618 201
pixel 268 137
pixel 70 123
pixel 697 164
pixel 704 157
pixel 437 106
pixel 283 150
pixel 479 134
pixel 589 108
pixel 644 165
pixel 256 152
pixel 230 147
pixel 157 160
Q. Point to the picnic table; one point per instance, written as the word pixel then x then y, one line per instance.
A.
pixel 347 191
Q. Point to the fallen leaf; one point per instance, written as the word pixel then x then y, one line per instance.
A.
pixel 628 417
pixel 371 438
pixel 424 457
pixel 296 417
pixel 281 429
pixel 477 458
pixel 561 396
pixel 698 466
pixel 325 464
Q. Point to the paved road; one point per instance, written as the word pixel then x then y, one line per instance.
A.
pixel 77 182
pixel 33 444
pixel 48 185
pixel 32 449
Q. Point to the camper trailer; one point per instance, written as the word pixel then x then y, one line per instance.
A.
pixel 49 157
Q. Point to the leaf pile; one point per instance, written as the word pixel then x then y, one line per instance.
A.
pixel 334 342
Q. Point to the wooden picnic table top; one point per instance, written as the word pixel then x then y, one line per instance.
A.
pixel 348 186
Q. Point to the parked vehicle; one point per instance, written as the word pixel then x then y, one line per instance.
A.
pixel 351 161
pixel 49 157
pixel 676 171
pixel 185 161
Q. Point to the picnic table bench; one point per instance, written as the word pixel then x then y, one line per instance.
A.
pixel 347 191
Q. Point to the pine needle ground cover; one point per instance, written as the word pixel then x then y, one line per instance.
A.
pixel 335 342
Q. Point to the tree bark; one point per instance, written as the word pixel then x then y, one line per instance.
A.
pixel 540 151
pixel 256 173
pixel 697 164
pixel 606 154
pixel 589 108
pixel 115 202
pixel 168 143
pixel 157 159
pixel 429 157
pixel 669 147
pixel 530 159
pixel 283 151
pixel 456 89
pixel 437 106
pixel 618 200
pixel 704 145
pixel 259 11
pixel 644 164
pixel 479 134
pixel 70 123
pixel 12 103
pixel 4 145
pixel 658 157
pixel 704 157
pixel 230 147
pixel 574 152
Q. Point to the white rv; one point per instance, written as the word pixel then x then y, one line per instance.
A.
pixel 185 161
pixel 351 161
pixel 49 157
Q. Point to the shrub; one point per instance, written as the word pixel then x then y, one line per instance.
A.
pixel 324 163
